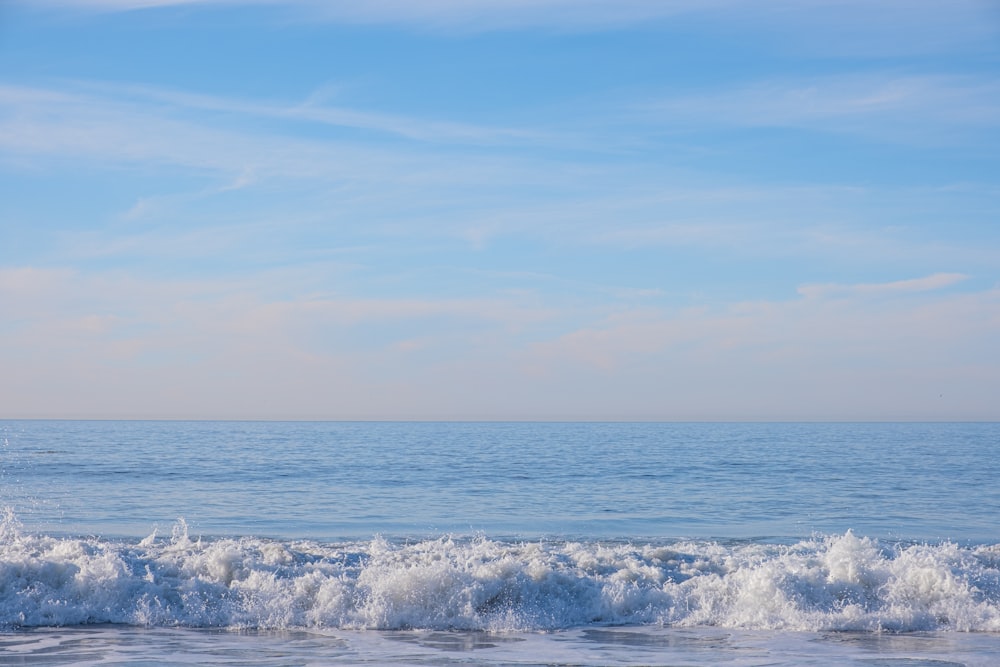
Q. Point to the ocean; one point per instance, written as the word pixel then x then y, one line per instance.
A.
pixel 349 543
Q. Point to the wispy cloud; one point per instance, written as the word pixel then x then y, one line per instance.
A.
pixel 121 344
pixel 136 122
pixel 116 127
pixel 762 329
pixel 314 109
pixel 450 13
pixel 856 22
pixel 329 193
pixel 927 283
pixel 919 358
pixel 922 109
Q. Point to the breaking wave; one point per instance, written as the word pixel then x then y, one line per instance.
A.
pixel 840 582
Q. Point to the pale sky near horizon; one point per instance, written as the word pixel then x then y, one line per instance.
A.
pixel 486 209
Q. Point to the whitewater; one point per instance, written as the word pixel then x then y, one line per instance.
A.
pixel 617 544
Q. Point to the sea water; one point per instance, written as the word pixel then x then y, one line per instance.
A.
pixel 499 543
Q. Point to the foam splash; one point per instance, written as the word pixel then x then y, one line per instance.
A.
pixel 839 582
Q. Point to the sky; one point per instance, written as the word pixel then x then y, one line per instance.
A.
pixel 500 209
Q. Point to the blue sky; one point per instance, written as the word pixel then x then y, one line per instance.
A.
pixel 500 210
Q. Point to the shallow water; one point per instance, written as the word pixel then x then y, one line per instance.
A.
pixel 109 645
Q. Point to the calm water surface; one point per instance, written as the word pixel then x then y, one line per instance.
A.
pixel 354 480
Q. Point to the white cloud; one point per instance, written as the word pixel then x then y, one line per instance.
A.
pixel 927 283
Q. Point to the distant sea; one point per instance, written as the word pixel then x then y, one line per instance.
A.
pixel 334 543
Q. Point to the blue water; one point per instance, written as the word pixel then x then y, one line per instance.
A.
pixel 406 542
pixel 354 480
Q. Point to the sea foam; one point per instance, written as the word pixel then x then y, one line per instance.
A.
pixel 840 582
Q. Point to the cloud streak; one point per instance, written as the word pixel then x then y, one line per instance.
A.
pixel 312 110
pixel 861 19
pixel 442 13
pixel 929 110
pixel 927 283
pixel 116 124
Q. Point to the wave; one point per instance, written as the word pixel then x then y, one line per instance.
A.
pixel 840 582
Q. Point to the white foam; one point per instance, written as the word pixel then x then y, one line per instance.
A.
pixel 842 582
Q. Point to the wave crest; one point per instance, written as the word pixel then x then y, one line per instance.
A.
pixel 841 582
